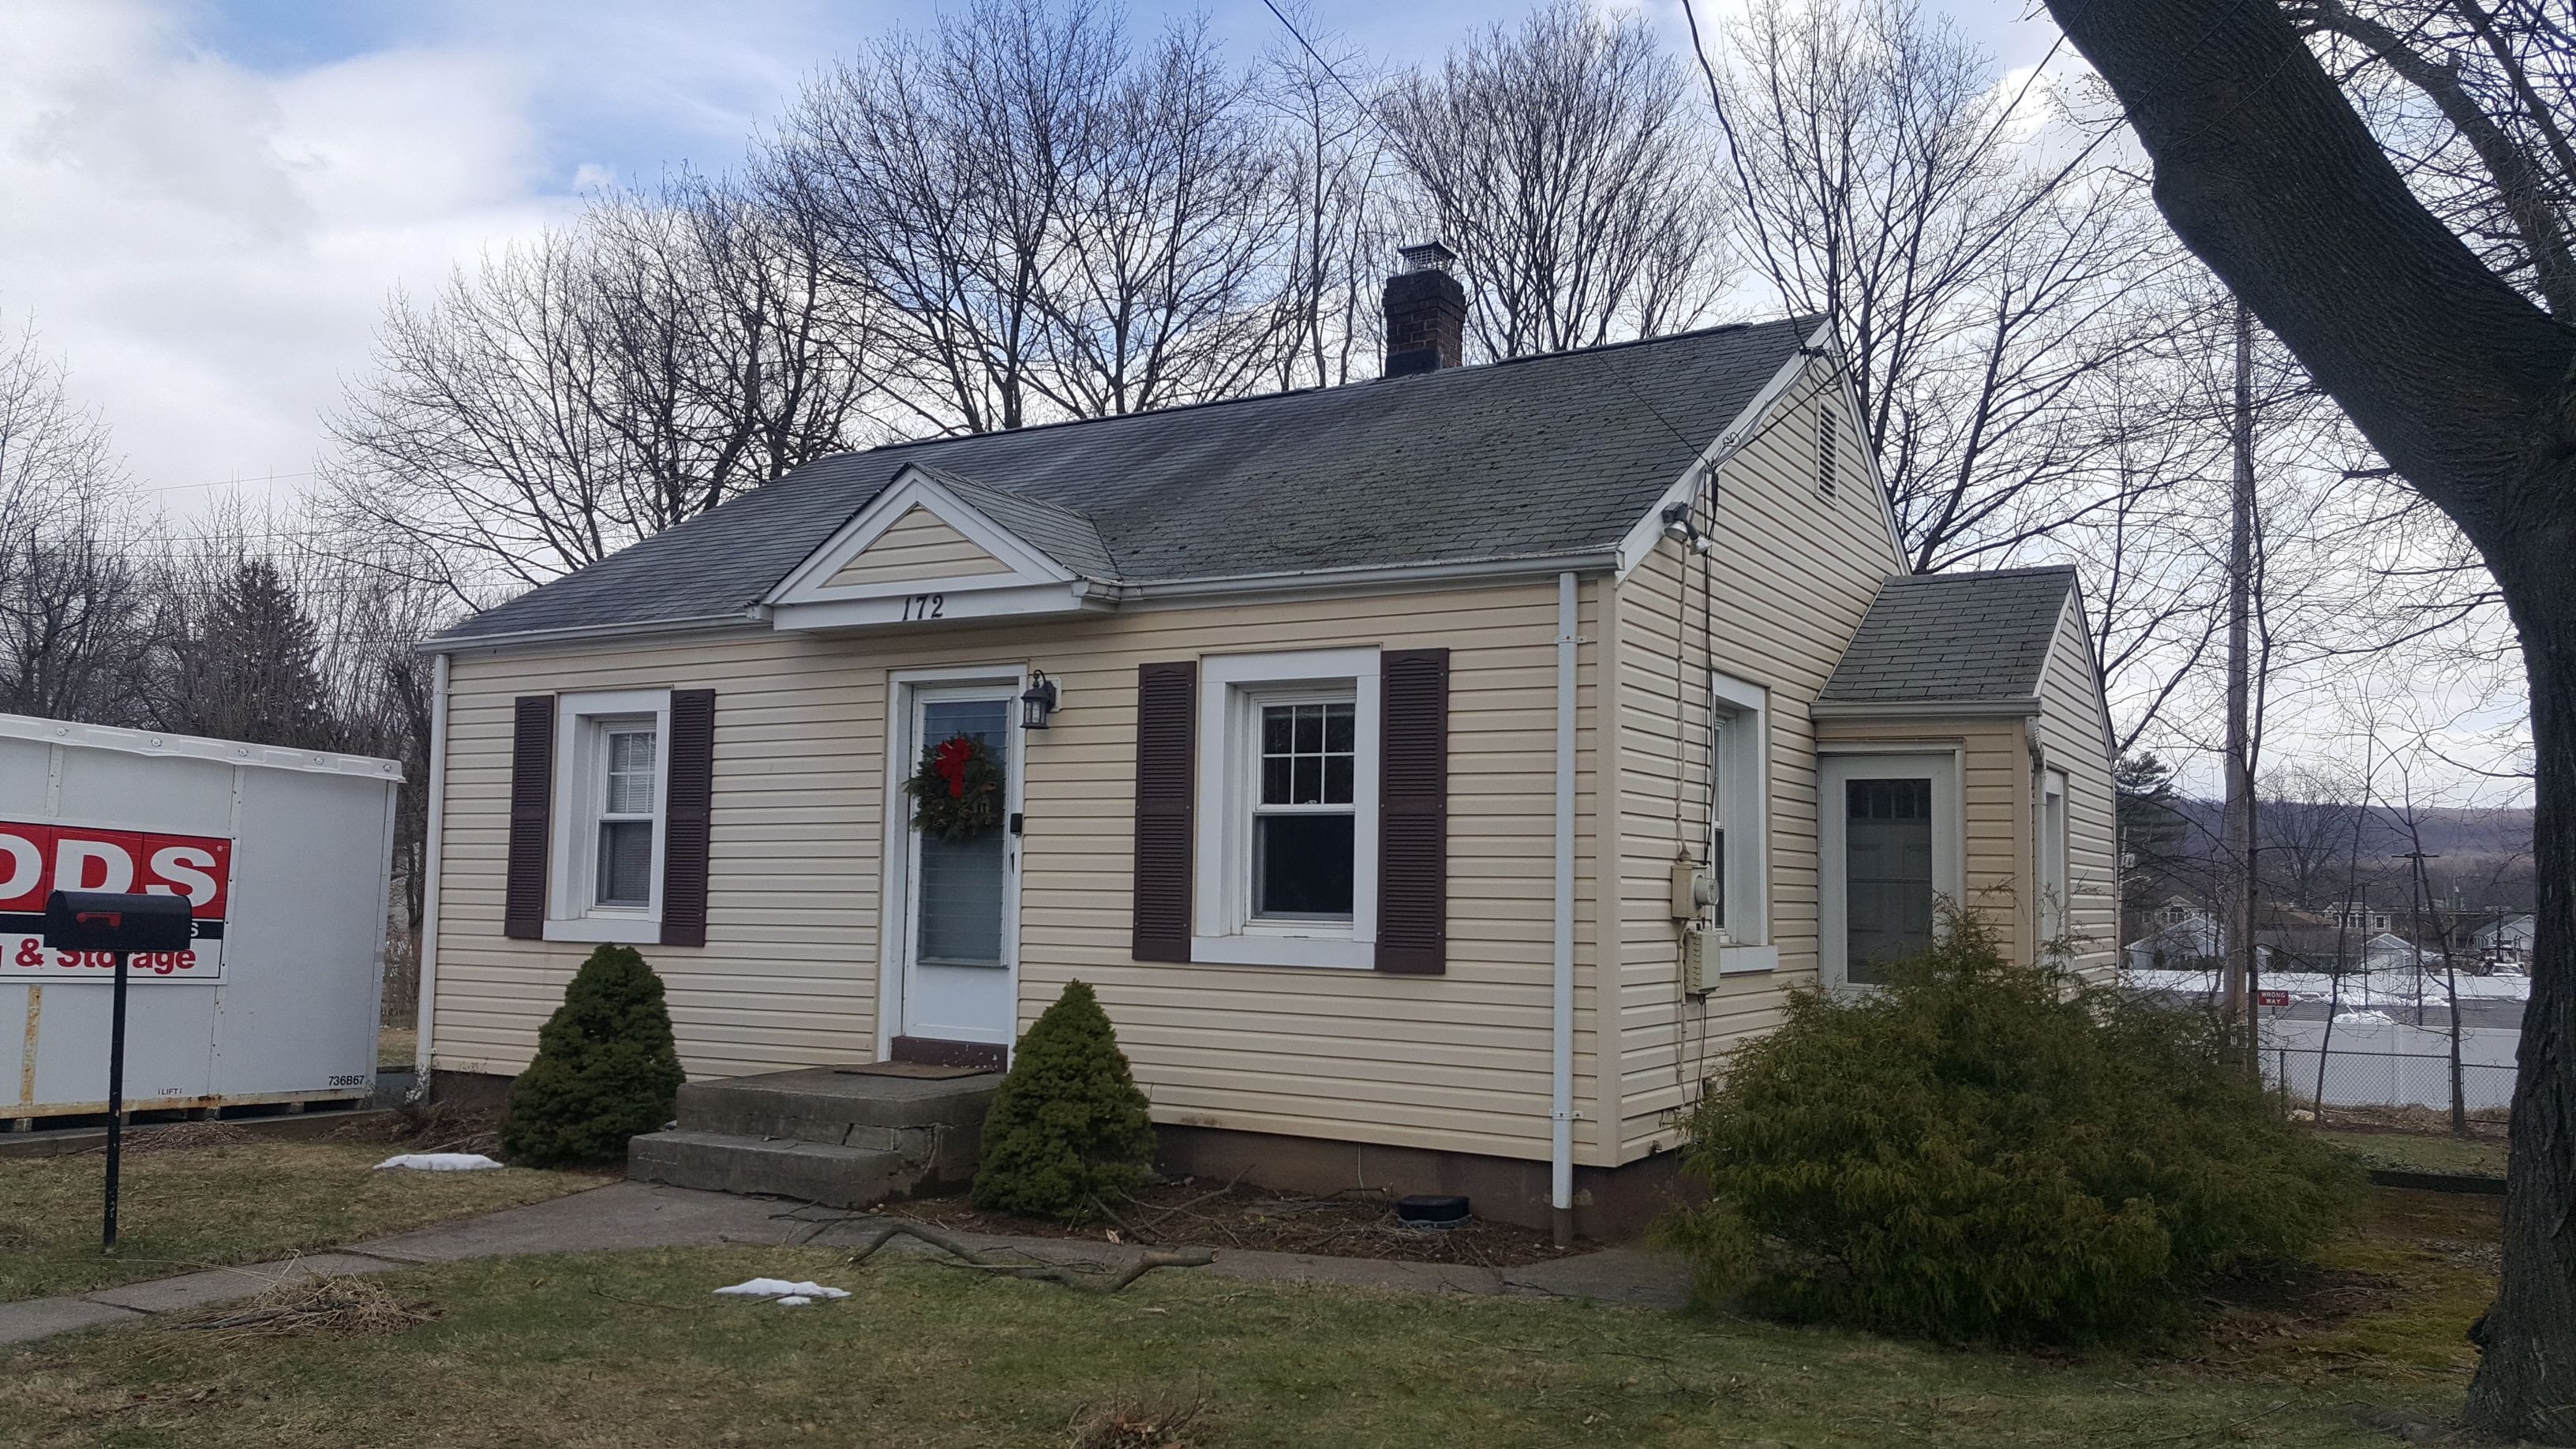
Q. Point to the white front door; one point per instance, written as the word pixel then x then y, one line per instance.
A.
pixel 1890 833
pixel 955 924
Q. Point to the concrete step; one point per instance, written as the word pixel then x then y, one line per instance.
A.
pixel 845 1177
pixel 933 1127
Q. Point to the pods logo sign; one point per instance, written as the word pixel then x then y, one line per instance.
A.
pixel 37 860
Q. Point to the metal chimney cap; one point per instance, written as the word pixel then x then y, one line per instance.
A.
pixel 1430 256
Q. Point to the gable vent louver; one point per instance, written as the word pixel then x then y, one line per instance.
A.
pixel 1828 451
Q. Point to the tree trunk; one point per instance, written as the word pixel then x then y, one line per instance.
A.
pixel 2464 385
pixel 2526 1381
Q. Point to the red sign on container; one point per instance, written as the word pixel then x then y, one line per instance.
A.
pixel 37 860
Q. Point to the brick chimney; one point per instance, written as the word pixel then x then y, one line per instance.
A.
pixel 1426 313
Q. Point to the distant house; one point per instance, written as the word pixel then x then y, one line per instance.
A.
pixel 2181 936
pixel 1435 776
pixel 2504 942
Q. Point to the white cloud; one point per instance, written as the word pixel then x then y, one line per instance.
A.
pixel 210 245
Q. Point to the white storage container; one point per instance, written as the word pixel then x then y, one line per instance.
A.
pixel 286 859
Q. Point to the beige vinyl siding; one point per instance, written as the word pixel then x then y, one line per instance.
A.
pixel 2070 731
pixel 789 977
pixel 1788 579
pixel 919 546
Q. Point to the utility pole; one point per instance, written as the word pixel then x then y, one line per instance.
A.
pixel 2237 829
pixel 2419 897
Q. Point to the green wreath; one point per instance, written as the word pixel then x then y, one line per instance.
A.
pixel 957 789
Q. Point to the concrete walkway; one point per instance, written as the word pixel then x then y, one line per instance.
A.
pixel 642 1215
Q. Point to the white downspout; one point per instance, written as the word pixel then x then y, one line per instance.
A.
pixel 1561 1086
pixel 433 828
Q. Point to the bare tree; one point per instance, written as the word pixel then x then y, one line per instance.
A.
pixel 1562 162
pixel 1979 280
pixel 572 395
pixel 2458 370
pixel 71 598
pixel 1339 185
pixel 1053 225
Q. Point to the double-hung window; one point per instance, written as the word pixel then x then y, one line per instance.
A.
pixel 630 787
pixel 1287 815
pixel 612 764
pixel 1304 823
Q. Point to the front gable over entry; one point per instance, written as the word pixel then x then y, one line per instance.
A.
pixel 934 546
pixel 920 545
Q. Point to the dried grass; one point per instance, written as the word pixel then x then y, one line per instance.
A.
pixel 301 1307
pixel 175 1136
pixel 1152 1422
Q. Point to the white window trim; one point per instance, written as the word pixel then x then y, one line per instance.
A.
pixel 2053 884
pixel 1742 773
pixel 1224 932
pixel 1833 883
pixel 574 848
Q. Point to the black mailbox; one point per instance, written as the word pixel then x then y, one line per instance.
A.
pixel 114 921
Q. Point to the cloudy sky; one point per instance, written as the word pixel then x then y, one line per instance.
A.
pixel 207 201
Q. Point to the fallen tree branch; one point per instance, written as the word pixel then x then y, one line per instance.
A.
pixel 1088 1282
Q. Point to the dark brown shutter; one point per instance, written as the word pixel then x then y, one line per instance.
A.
pixel 532 789
pixel 685 812
pixel 1413 812
pixel 1166 718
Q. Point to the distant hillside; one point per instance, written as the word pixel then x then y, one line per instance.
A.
pixel 2447 833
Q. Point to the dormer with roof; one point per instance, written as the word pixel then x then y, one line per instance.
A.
pixel 1435 776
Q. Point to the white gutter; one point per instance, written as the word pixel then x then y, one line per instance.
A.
pixel 1561 1084
pixel 432 829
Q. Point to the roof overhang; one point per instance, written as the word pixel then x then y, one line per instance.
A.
pixel 1914 709
pixel 830 589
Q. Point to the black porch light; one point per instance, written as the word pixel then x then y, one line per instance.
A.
pixel 1038 702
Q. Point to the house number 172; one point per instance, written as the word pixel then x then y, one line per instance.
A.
pixel 925 606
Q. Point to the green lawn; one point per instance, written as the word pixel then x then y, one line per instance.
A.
pixel 2422 1152
pixel 187 1208
pixel 629 1349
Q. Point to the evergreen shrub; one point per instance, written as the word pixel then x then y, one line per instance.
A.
pixel 606 1068
pixel 1068 1130
pixel 1986 1151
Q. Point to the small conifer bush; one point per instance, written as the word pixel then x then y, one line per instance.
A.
pixel 606 1069
pixel 1068 1129
pixel 1985 1151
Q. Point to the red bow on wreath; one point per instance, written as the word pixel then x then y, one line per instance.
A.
pixel 950 761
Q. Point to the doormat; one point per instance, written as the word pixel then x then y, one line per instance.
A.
pixel 919 1071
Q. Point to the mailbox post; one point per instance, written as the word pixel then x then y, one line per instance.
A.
pixel 119 924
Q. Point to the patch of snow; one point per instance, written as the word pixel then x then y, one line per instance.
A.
pixel 789 1295
pixel 2397 987
pixel 2364 1018
pixel 437 1162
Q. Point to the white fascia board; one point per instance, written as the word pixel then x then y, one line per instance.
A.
pixel 1170 594
pixel 194 747
pixel 1923 709
pixel 808 582
pixel 537 639
pixel 1649 530
pixel 951 605
pixel 1363 579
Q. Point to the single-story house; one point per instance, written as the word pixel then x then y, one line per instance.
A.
pixel 1435 776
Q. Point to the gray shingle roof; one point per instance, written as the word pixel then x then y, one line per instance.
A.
pixel 1953 637
pixel 1062 534
pixel 1537 457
